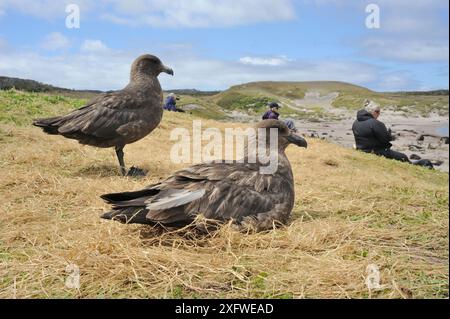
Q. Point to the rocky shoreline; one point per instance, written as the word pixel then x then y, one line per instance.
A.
pixel 418 137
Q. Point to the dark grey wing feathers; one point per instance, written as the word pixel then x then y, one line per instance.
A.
pixel 102 118
pixel 218 191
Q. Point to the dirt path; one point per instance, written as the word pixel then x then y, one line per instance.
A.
pixel 314 100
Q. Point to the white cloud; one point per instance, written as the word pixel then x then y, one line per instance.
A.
pixel 47 9
pixel 410 31
pixel 199 13
pixel 397 81
pixel 96 66
pixel 407 50
pixel 77 71
pixel 271 61
pixel 55 41
pixel 163 13
pixel 3 45
pixel 107 70
pixel 95 46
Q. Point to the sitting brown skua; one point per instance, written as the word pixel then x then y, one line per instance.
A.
pixel 218 191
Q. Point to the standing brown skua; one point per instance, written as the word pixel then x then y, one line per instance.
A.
pixel 115 119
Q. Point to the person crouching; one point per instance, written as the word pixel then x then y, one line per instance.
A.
pixel 372 136
pixel 273 112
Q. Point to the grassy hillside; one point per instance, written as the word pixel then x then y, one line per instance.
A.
pixel 331 100
pixel 351 210
pixel 296 90
pixel 8 83
pixel 417 104
pixel 252 98
pixel 21 108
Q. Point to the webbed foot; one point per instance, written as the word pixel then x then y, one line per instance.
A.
pixel 136 172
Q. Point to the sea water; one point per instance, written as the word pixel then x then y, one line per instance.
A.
pixel 443 131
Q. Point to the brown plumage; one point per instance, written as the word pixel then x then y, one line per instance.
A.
pixel 219 191
pixel 114 119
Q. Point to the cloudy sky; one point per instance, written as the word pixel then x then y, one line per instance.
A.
pixel 213 44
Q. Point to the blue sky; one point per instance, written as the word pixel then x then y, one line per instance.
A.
pixel 215 44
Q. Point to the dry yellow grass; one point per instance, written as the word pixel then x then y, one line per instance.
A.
pixel 351 210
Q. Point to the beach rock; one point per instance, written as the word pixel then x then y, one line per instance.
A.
pixel 422 137
pixel 413 147
pixel 415 157
pixel 444 140
pixel 437 162
pixel 410 131
pixel 431 146
pixel 424 163
pixel 190 107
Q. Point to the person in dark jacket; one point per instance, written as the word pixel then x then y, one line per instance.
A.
pixel 272 113
pixel 171 103
pixel 372 136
